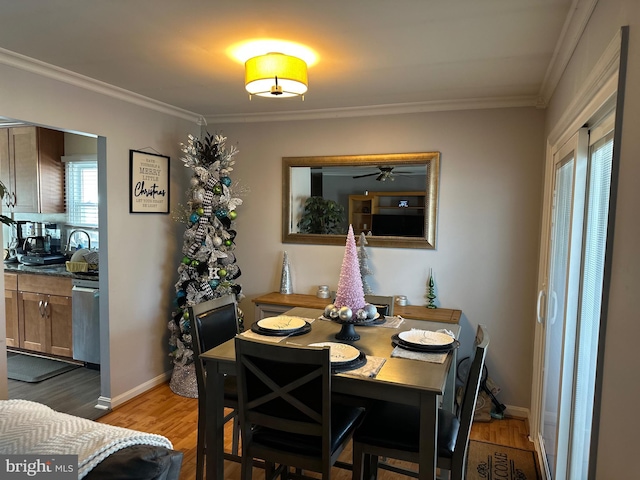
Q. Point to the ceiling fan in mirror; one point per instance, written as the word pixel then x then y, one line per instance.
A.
pixel 383 174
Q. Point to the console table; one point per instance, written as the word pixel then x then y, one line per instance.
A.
pixel 273 304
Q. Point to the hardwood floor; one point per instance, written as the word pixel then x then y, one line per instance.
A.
pixel 162 412
pixel 75 392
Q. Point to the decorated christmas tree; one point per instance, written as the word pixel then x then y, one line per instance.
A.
pixel 208 268
pixel 364 264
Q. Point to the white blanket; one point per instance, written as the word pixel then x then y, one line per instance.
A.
pixel 32 428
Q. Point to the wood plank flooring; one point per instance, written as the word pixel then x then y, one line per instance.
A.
pixel 75 392
pixel 162 412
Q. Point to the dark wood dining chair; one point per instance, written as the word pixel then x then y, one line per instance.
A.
pixel 213 323
pixel 392 430
pixel 382 303
pixel 287 417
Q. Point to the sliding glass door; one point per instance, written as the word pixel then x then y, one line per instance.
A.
pixel 564 255
pixel 572 294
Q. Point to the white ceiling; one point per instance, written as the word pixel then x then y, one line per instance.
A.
pixel 372 53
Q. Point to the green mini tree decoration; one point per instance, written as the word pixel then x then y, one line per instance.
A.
pixel 431 296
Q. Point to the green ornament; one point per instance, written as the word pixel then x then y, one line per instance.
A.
pixel 222 272
pixel 186 260
pixel 233 214
pixel 217 189
pixel 195 263
pixel 228 243
pixel 200 211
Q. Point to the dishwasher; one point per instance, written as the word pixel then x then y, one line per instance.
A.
pixel 85 317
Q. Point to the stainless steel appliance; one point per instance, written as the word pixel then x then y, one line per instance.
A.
pixel 85 314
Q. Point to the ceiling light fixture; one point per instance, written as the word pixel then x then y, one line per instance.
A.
pixel 276 75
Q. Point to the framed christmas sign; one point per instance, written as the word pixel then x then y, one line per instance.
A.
pixel 148 182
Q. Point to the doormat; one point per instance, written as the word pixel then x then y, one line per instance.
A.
pixel 488 461
pixel 28 368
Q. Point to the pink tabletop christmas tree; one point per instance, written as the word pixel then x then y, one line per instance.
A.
pixel 350 292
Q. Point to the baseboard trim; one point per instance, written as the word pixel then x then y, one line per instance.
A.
pixel 104 403
pixel 140 389
pixel 517 412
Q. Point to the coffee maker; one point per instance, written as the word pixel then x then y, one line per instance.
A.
pixel 39 243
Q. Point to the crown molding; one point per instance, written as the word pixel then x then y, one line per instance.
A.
pixel 22 62
pixel 375 110
pixel 38 67
pixel 599 86
pixel 574 25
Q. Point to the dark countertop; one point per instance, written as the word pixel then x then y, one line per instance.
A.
pixel 57 270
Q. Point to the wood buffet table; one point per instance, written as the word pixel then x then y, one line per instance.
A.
pixel 410 382
pixel 273 304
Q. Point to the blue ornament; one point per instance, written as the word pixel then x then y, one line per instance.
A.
pixel 221 213
pixel 180 293
pixel 194 217
pixel 214 283
pixel 226 181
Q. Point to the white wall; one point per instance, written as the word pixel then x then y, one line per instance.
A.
pixel 619 424
pixel 488 221
pixel 143 250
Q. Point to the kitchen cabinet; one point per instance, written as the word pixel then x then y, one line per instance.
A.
pixel 31 168
pixel 11 309
pixel 44 314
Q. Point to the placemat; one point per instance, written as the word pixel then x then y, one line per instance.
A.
pixel 370 369
pixel 425 357
pixel 263 338
pixel 390 322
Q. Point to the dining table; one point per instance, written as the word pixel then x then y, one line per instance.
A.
pixel 406 381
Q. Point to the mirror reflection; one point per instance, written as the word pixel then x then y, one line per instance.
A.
pixel 392 198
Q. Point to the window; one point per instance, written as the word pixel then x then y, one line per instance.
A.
pixel 82 192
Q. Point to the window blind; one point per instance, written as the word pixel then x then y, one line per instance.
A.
pixel 595 239
pixel 82 193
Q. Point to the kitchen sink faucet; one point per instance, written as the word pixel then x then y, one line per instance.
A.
pixel 78 231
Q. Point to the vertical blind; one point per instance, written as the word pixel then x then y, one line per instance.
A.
pixel 82 193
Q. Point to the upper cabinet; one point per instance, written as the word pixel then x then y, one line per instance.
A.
pixel 32 170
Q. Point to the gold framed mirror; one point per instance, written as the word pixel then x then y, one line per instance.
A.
pixel 392 198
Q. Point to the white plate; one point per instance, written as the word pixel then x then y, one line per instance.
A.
pixel 281 322
pixel 339 352
pixel 425 337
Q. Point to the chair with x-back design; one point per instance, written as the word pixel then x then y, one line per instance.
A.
pixel 287 417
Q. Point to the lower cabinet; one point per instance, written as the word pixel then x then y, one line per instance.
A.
pixel 44 314
pixel 47 323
